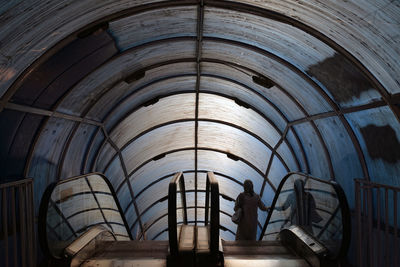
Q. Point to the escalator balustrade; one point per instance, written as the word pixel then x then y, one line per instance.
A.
pixel 81 224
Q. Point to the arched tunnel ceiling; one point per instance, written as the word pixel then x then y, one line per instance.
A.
pixel 140 90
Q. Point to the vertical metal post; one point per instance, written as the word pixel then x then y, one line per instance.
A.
pixel 22 219
pixel 14 225
pixel 5 225
pixel 386 228
pixel 378 224
pixel 395 227
pixel 359 230
pixel 29 220
pixel 370 222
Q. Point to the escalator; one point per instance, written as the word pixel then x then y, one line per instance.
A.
pixel 308 225
pixel 81 224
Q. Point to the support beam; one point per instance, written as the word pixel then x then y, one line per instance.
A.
pixel 126 177
pixel 199 46
pixel 51 114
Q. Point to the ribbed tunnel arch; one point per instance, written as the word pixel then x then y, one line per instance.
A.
pixel 140 90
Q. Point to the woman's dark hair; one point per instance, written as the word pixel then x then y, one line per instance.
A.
pixel 248 187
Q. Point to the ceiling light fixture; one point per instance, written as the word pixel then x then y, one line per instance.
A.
pixel 137 75
pixel 263 81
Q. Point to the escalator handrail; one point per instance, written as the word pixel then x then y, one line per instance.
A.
pixel 172 217
pixel 212 184
pixel 346 221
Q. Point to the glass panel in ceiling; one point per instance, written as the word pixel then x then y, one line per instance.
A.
pixel 319 165
pixel 220 108
pixel 96 141
pixel 130 215
pixel 345 160
pixel 220 163
pixel 228 187
pixel 124 196
pixel 45 157
pixel 379 135
pixel 287 156
pixel 106 154
pixel 226 222
pixel 297 148
pixel 115 173
pixel 152 194
pixel 267 195
pixel 239 84
pixel 168 165
pixel 176 107
pixel 158 141
pixel 158 210
pixel 233 141
pixel 90 89
pixel 289 106
pixel 115 101
pixel 75 152
pixel 162 236
pixel 154 25
pixel 148 93
pixel 226 235
pixel 276 172
pixel 283 75
pixel 156 228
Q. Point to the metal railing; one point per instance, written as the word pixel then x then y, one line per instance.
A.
pixel 17 219
pixel 377 224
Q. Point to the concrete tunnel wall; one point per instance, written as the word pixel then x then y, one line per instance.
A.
pixel 139 90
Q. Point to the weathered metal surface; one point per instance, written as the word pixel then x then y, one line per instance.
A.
pixel 219 108
pixel 367 30
pixel 277 37
pixel 115 173
pixel 162 139
pixel 317 160
pixel 147 26
pixel 342 152
pixel 238 83
pixel 72 165
pixel 233 141
pixel 166 109
pixel 315 52
pixel 17 134
pixel 32 28
pixel 110 74
pixel 44 160
pixel 378 133
pixel 271 66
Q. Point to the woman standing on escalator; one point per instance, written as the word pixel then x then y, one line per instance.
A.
pixel 248 202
